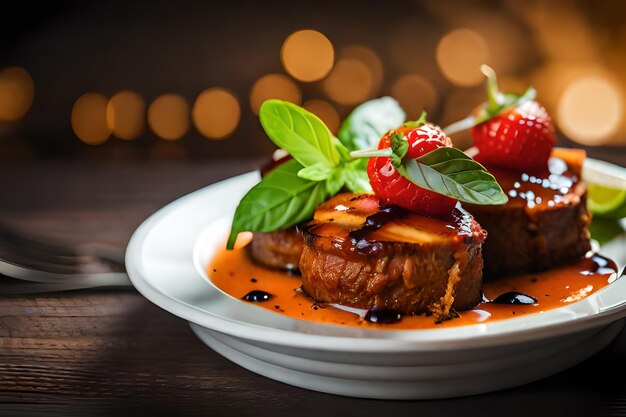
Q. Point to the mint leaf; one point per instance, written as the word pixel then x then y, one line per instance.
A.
pixel 451 172
pixel 368 122
pixel 302 134
pixel 281 200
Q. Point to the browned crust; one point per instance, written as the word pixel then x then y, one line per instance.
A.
pixel 409 278
pixel 277 250
pixel 523 241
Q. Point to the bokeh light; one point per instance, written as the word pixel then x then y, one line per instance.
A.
pixel 566 38
pixel 373 62
pixel 307 55
pixel 89 118
pixel 16 93
pixel 216 113
pixel 168 116
pixel 350 82
pixel 325 111
pixel 274 86
pixel 460 54
pixel 126 112
pixel 415 94
pixel 590 110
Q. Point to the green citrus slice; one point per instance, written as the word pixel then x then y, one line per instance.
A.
pixel 606 201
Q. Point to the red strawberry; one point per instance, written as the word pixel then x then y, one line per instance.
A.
pixel 395 189
pixel 510 130
pixel 520 138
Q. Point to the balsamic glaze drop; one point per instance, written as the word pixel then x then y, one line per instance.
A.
pixel 257 296
pixel 382 316
pixel 514 297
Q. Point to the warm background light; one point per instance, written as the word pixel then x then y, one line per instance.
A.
pixel 590 110
pixel 89 118
pixel 16 93
pixel 307 55
pixel 415 94
pixel 126 112
pixel 411 43
pixel 373 62
pixel 325 111
pixel 274 86
pixel 349 83
pixel 460 54
pixel 216 113
pixel 168 116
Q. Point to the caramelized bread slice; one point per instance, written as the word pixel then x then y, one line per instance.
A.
pixel 359 254
pixel 278 250
pixel 544 224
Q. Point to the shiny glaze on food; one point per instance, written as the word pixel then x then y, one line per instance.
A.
pixel 357 223
pixel 546 189
pixel 235 274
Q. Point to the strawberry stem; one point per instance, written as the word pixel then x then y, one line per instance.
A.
pixel 493 92
pixel 459 126
pixel 417 123
pixel 368 153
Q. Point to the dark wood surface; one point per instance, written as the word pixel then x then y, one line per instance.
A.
pixel 112 352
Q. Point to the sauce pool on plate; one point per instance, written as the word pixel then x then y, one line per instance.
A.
pixel 235 274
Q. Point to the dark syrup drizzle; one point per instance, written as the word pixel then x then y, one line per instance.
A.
pixel 382 316
pixel 601 265
pixel 514 297
pixel 376 221
pixel 257 296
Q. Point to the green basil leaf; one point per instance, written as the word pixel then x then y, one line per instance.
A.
pixel 451 172
pixel 368 122
pixel 335 180
pixel 317 172
pixel 281 200
pixel 344 153
pixel 302 134
pixel 356 177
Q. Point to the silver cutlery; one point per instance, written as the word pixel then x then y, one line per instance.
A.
pixel 30 264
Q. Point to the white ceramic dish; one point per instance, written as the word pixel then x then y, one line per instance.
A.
pixel 166 261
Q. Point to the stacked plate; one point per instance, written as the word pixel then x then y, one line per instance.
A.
pixel 167 258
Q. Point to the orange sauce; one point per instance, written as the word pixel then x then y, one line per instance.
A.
pixel 234 273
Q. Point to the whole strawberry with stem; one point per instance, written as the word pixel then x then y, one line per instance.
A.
pixel 393 188
pixel 511 131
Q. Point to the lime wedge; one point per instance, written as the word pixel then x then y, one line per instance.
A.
pixel 606 202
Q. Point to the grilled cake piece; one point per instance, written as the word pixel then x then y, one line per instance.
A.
pixel 544 224
pixel 277 250
pixel 280 249
pixel 359 254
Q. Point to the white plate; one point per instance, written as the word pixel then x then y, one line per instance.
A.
pixel 166 260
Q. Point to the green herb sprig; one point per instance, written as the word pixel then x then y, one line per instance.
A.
pixel 496 104
pixel 448 171
pixel 321 164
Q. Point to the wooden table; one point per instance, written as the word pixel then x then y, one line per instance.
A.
pixel 91 353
